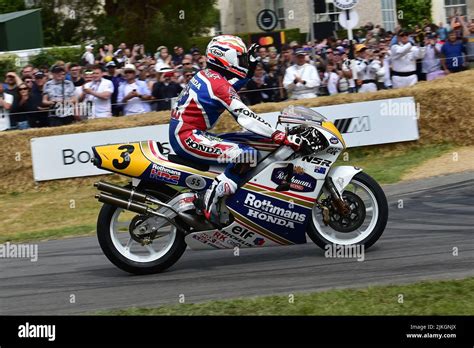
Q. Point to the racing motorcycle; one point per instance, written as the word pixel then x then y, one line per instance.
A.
pixel 145 226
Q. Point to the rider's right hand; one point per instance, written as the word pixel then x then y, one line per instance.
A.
pixel 293 141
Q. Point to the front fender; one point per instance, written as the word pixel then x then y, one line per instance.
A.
pixel 342 176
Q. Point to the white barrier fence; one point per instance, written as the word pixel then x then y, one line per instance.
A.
pixel 366 123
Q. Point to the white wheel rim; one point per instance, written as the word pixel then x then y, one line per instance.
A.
pixel 342 238
pixel 133 250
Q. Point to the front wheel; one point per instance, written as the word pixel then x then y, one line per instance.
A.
pixel 364 225
pixel 131 255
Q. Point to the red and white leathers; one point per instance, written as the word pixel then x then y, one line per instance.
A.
pixel 198 108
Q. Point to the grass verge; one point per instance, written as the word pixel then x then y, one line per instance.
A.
pixel 453 297
pixel 388 163
pixel 72 210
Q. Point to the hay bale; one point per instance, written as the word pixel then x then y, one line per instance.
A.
pixel 445 106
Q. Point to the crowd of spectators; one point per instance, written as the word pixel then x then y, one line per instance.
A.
pixel 123 81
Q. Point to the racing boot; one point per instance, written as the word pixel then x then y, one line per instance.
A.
pixel 221 187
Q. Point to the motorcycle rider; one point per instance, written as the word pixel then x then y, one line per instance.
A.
pixel 209 93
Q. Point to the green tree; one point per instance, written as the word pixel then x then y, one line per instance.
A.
pixel 413 12
pixel 156 22
pixel 68 22
pixel 7 63
pixel 7 6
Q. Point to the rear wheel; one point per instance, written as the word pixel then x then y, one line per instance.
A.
pixel 145 254
pixel 364 225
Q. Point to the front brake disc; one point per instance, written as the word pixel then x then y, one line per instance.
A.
pixel 354 219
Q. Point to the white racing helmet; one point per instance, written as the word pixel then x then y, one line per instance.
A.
pixel 230 53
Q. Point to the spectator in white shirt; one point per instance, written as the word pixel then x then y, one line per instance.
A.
pixel 6 101
pixel 368 69
pixel 431 65
pixel 88 56
pixel 301 79
pixel 403 57
pixel 133 93
pixel 98 93
pixel 331 78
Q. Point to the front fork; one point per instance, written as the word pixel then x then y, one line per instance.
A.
pixel 336 200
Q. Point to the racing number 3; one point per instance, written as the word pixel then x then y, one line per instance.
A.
pixel 125 155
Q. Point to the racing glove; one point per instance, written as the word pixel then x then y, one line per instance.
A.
pixel 254 59
pixel 293 141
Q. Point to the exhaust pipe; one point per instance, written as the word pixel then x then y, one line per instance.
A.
pixel 130 194
pixel 195 222
pixel 132 200
pixel 133 206
pixel 127 205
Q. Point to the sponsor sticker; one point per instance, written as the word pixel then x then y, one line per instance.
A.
pixel 300 182
pixel 317 160
pixel 334 140
pixel 265 210
pixel 203 148
pixel 332 151
pixel 195 182
pixel 239 236
pixel 320 170
pixel 170 176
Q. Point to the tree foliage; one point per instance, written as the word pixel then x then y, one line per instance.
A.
pixel 156 22
pixel 67 22
pixel 7 63
pixel 7 6
pixel 413 12
pixel 50 56
pixel 151 22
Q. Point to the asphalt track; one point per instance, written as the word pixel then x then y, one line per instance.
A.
pixel 437 215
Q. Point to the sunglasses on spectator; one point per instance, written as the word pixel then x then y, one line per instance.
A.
pixel 10 76
pixel 28 81
pixel 23 89
pixel 129 71
pixel 186 63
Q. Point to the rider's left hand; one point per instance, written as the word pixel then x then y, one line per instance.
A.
pixel 254 59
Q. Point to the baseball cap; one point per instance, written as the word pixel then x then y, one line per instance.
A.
pixel 39 74
pixel 129 67
pixel 360 47
pixel 110 64
pixel 301 51
pixel 90 47
pixel 57 69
